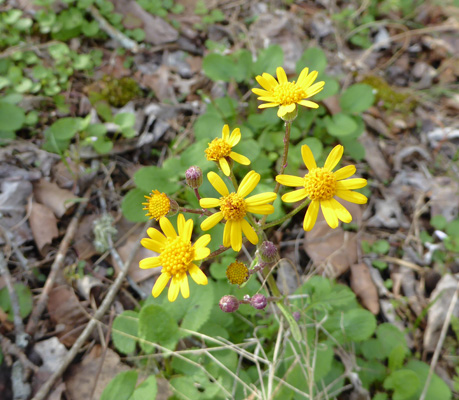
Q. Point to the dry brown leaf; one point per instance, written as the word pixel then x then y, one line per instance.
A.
pixel 44 226
pixel 364 287
pixel 57 199
pixel 82 242
pixel 375 158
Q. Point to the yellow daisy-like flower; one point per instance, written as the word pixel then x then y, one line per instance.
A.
pixel 321 185
pixel 158 205
pixel 286 95
pixel 220 150
pixel 176 256
pixel 234 207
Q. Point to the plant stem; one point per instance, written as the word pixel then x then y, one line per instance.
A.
pixel 196 192
pixel 287 216
pixel 190 210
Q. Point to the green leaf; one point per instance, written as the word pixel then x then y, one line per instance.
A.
pixel 219 68
pixel 147 390
pixel 371 372
pixel 24 299
pixel 381 246
pixel 208 126
pixel 197 307
pixel 396 357
pixel 11 117
pixel 340 124
pixel 291 321
pixel 403 382
pixel 373 349
pixel 313 58
pixel 102 145
pixel 268 60
pixel 330 89
pixel 132 206
pixel 157 326
pixel 358 324
pixel 156 178
pixel 438 389
pixel 65 128
pixel 124 120
pixel 125 324
pixel 452 229
pixel 390 336
pixel 121 387
pixel 244 64
pixel 438 222
pixel 187 388
pixel 353 148
pixel 357 98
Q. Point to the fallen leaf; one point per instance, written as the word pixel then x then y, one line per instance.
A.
pixel 52 353
pixel 287 277
pixel 57 199
pixel 375 158
pixel 44 226
pixel 364 287
pixel 83 240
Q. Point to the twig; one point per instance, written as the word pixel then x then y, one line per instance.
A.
pixel 444 329
pixel 56 266
pixel 41 394
pixel 10 348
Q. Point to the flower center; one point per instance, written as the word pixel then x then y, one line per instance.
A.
pixel 176 256
pixel 320 184
pixel 233 207
pixel 158 205
pixel 288 93
pixel 217 149
pixel 237 273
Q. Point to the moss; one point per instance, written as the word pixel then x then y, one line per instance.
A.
pixel 117 92
pixel 391 99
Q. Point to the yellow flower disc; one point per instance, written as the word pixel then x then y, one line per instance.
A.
pixel 288 93
pixel 320 184
pixel 176 256
pixel 233 207
pixel 218 149
pixel 237 273
pixel 158 205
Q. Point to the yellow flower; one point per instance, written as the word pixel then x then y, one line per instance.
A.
pixel 176 255
pixel 220 149
pixel 321 185
pixel 287 94
pixel 234 207
pixel 237 273
pixel 158 205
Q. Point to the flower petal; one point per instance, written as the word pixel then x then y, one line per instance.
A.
pixel 307 103
pixel 201 253
pixel 345 172
pixel 249 183
pixel 197 275
pixel 308 157
pixel 309 79
pixel 180 223
pixel 235 137
pixel 281 75
pixel 264 209
pixel 271 80
pixel 261 92
pixel 211 221
pixel 302 77
pixel 150 262
pixel 249 232
pixel 355 183
pixel 224 166
pixel 236 235
pixel 295 196
pixel 329 213
pixel 266 81
pixel 209 202
pixel 353 197
pixel 203 241
pixel 268 105
pixel 290 180
pixel 160 284
pixel 184 287
pixel 314 89
pixel 239 158
pixel 311 215
pixel 156 235
pixel 152 245
pixel 285 109
pixel 334 157
pixel 174 289
pixel 341 212
pixel 227 234
pixel 217 183
pixel 262 198
pixel 167 227
pixel 225 132
pixel 187 230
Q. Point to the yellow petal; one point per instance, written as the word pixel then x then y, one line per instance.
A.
pixel 235 137
pixel 180 223
pixel 173 289
pixel 264 209
pixel 307 103
pixel 340 211
pixel 314 89
pixel 187 230
pixel 203 241
pixel 268 99
pixel 329 214
pixel 197 275
pixel 150 262
pixel 270 79
pixel 184 288
pixel 285 109
pixel 211 221
pixel 334 157
pixel 209 202
pixel 308 157
pixel 225 132
pixel 249 232
pixel 249 183
pixel 239 158
pixel 160 284
pixel 261 92
pixel 227 234
pixel 260 199
pixel 281 75
pixel 290 180
pixel 353 197
pixel 309 79
pixel 268 105
pixel 167 227
pixel 265 81
pixel 201 253
pixel 224 166
pixel 355 183
pixel 294 196
pixel 302 77
pixel 152 245
pixel 311 216
pixel 217 183
pixel 344 172
pixel 156 235
pixel 236 235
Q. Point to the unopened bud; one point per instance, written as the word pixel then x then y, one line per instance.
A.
pixel 290 116
pixel 268 252
pixel 259 301
pixel 296 316
pixel 229 303
pixel 174 207
pixel 193 177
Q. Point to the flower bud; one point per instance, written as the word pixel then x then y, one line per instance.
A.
pixel 229 303
pixel 259 301
pixel 289 117
pixel 268 252
pixel 296 316
pixel 193 177
pixel 174 207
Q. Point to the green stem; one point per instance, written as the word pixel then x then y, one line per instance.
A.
pixel 189 210
pixel 287 216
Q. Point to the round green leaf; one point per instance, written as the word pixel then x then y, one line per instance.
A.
pixel 219 68
pixel 438 389
pixel 314 58
pixel 132 206
pixel 358 324
pixel 268 60
pixel 125 326
pixel 65 128
pixel 403 382
pixel 24 299
pixel 147 390
pixel 340 125
pixel 11 117
pixel 357 98
pixel 121 387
